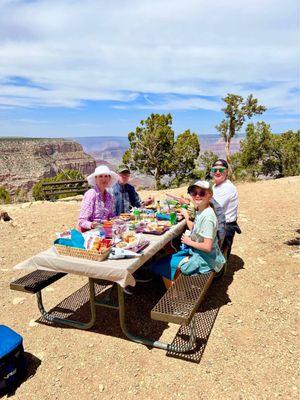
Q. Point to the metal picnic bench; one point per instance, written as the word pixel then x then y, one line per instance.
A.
pixel 71 187
pixel 178 305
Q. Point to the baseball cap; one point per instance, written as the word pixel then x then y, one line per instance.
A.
pixel 123 168
pixel 202 184
pixel 220 162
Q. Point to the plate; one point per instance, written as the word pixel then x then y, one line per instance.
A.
pixel 138 248
pixel 143 230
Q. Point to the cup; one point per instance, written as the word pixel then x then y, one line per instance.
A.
pixel 173 218
pixel 136 214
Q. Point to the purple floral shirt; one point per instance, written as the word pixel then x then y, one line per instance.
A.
pixel 95 207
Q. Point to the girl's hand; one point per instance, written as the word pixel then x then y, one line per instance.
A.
pixel 94 224
pixel 185 213
pixel 186 240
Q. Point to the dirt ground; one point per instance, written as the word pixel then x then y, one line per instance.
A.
pixel 252 350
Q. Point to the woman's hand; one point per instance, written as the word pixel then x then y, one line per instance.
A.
pixel 94 224
pixel 186 240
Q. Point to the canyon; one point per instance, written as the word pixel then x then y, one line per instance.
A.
pixel 23 162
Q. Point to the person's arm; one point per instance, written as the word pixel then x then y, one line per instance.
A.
pixel 86 210
pixel 190 224
pixel 148 201
pixel 205 246
pixel 111 206
pixel 206 229
pixel 181 200
pixel 221 220
pixel 134 198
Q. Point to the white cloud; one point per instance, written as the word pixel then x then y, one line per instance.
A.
pixel 96 50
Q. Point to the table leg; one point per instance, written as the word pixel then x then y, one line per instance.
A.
pixel 68 322
pixel 149 342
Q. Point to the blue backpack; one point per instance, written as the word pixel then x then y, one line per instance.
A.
pixel 12 360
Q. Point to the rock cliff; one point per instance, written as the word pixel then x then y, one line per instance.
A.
pixel 23 162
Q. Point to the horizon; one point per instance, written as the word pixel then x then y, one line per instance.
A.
pixel 124 60
pixel 108 137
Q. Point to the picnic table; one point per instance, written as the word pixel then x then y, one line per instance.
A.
pixel 185 298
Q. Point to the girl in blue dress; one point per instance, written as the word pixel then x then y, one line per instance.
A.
pixel 201 253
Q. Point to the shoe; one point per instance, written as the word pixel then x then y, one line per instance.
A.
pixel 142 276
pixel 128 290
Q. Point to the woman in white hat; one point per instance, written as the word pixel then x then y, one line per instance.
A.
pixel 97 203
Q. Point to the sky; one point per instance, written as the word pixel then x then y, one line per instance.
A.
pixel 72 68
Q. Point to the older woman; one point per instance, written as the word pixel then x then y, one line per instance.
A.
pixel 97 203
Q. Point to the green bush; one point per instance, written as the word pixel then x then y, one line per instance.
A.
pixel 4 196
pixel 37 191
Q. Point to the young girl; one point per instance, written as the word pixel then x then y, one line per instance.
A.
pixel 202 253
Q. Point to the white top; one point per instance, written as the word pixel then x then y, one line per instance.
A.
pixel 226 195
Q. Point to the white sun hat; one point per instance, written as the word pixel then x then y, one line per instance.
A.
pixel 103 170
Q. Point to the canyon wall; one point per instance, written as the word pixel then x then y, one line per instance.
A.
pixel 23 162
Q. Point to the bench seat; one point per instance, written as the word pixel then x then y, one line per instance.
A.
pixel 36 281
pixel 182 299
pixel 51 190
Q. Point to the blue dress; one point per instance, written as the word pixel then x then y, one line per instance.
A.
pixel 199 262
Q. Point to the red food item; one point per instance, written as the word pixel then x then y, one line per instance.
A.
pixel 106 242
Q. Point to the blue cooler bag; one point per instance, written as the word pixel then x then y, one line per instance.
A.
pixel 12 360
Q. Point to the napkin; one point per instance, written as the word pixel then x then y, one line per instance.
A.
pixel 77 240
pixel 116 253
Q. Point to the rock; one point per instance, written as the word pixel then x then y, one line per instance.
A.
pixel 5 217
pixel 101 388
pixel 39 158
pixel 18 300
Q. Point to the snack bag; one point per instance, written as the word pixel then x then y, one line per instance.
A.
pixel 65 234
pixel 89 238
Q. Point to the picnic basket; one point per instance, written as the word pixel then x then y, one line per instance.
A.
pixel 80 253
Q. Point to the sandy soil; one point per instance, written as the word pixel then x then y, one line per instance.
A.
pixel 252 351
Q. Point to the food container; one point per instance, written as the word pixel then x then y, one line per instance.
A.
pixel 107 227
pixel 80 253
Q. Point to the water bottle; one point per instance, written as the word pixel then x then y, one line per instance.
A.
pixel 102 233
pixel 183 245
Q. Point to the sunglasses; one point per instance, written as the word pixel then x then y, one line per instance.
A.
pixel 200 192
pixel 214 170
pixel 102 176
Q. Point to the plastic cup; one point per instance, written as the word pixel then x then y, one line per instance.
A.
pixel 136 214
pixel 173 218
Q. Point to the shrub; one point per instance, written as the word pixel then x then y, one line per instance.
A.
pixel 4 196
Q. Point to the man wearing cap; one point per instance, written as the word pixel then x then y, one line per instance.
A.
pixel 226 195
pixel 125 194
